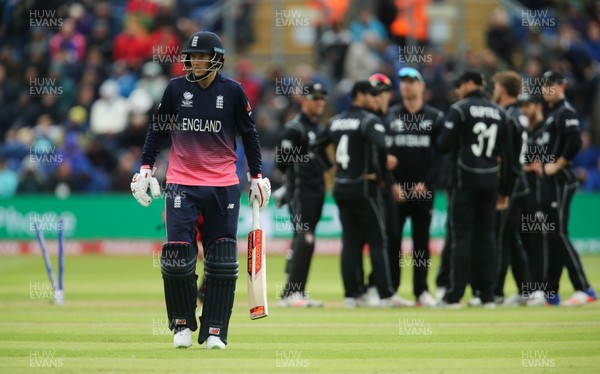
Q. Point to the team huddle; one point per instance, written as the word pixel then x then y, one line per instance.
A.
pixel 509 187
pixel 508 165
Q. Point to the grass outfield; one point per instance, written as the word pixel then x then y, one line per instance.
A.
pixel 114 322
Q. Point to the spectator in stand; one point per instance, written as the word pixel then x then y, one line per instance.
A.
pixel 500 37
pixel 9 180
pixel 363 57
pixel 152 81
pixel 31 180
pixel 366 21
pixel 244 74
pixel 586 160
pixel 592 43
pixel 132 44
pixel 69 41
pixel 109 113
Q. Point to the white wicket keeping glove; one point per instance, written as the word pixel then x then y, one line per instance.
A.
pixel 260 190
pixel 140 183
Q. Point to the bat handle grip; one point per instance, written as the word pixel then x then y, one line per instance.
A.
pixel 255 216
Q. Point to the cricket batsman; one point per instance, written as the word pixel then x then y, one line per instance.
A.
pixel 202 112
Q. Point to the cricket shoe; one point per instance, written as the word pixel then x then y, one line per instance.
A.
pixel 425 299
pixel 474 301
pixel 489 305
pixel 581 298
pixel 299 300
pixel 499 300
pixel 354 302
pixel 553 299
pixel 592 296
pixel 372 297
pixel 395 301
pixel 515 300
pixel 214 342
pixel 440 292
pixel 183 338
pixel 536 298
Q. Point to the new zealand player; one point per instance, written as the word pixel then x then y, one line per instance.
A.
pixel 202 112
pixel 474 134
pixel 534 241
pixel 563 140
pixel 304 191
pixel 360 159
pixel 384 90
pixel 412 126
pixel 507 85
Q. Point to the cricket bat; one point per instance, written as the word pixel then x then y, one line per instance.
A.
pixel 257 267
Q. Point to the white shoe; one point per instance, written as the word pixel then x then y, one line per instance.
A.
pixel 489 305
pixel 425 299
pixel 578 298
pixel 439 293
pixel 474 301
pixel 298 300
pixel 214 342
pixel 515 300
pixel 536 299
pixel 354 302
pixel 395 301
pixel 183 338
pixel 372 296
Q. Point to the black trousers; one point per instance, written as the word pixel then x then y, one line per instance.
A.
pixel 473 214
pixel 420 212
pixel 557 204
pixel 363 222
pixel 305 210
pixel 510 248
pixel 534 242
pixel 442 279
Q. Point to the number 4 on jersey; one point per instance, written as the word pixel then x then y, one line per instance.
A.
pixel 341 153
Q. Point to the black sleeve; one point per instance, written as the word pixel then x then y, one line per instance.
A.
pixel 433 171
pixel 569 127
pixel 448 135
pixel 514 165
pixel 504 142
pixel 158 129
pixel 247 130
pixel 374 131
pixel 290 138
pixel 318 146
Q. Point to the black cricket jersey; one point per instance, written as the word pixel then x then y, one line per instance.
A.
pixel 517 132
pixel 536 152
pixel 203 124
pixel 359 142
pixel 411 138
pixel 474 132
pixel 304 171
pixel 562 138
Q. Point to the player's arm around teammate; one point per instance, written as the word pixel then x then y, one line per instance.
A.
pixel 202 112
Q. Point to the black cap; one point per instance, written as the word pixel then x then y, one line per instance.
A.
pixel 367 87
pixel 553 77
pixel 314 90
pixel 470 75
